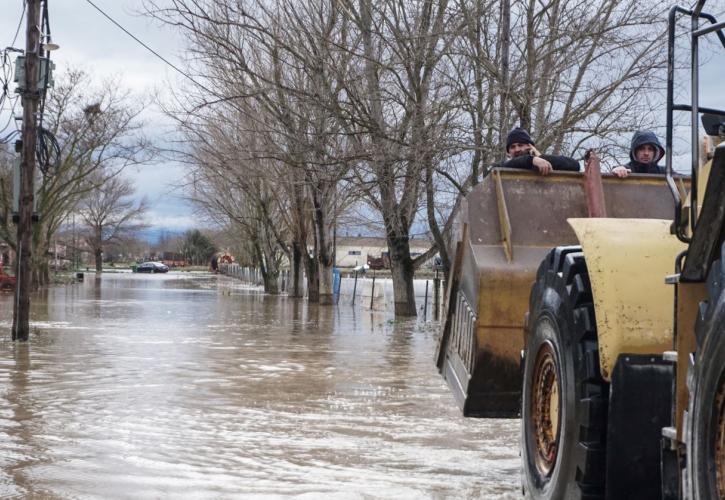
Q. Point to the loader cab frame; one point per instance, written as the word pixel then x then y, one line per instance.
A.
pixel 685 222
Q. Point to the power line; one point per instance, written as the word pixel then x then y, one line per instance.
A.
pixel 12 115
pixel 20 23
pixel 146 46
pixel 7 68
pixel 4 79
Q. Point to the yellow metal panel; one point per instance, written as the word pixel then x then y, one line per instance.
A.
pixel 689 296
pixel 502 306
pixel 628 260
pixel 503 217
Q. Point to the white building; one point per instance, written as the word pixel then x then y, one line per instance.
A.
pixel 354 251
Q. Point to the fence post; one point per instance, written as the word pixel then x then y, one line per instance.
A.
pixel 354 289
pixel 425 302
pixel 372 291
pixel 436 296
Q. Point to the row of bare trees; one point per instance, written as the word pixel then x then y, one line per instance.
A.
pixel 300 110
pixel 99 134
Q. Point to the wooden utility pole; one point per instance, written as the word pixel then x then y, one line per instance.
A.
pixel 30 98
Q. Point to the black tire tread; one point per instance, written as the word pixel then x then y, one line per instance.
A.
pixel 565 270
pixel 704 365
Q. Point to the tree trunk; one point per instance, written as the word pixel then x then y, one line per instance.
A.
pixel 313 279
pixel 271 283
pixel 505 43
pixel 41 248
pixel 323 240
pixel 99 259
pixel 326 298
pixel 40 275
pixel 260 264
pixel 43 274
pixel 531 67
pixel 295 289
pixel 401 266
pixel 271 275
pixel 432 222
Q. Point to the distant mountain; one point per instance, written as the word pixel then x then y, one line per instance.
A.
pixel 154 235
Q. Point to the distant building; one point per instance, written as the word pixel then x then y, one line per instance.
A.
pixel 58 256
pixel 354 251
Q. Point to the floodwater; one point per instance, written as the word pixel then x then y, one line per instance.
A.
pixel 196 386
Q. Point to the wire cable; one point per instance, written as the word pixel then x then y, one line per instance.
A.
pixel 20 23
pixel 4 79
pixel 7 73
pixel 47 152
pixel 45 23
pixel 148 48
pixel 7 67
pixel 12 115
pixel 8 137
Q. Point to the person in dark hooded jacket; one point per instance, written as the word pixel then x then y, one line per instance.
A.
pixel 523 154
pixel 644 153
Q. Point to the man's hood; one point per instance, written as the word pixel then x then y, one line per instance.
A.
pixel 642 137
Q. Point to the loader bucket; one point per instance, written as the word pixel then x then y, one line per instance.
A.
pixel 505 227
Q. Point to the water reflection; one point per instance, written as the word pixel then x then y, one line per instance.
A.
pixel 194 386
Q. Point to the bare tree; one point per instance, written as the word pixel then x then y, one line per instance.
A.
pixel 577 77
pixel 395 105
pixel 6 196
pixel 592 73
pixel 110 214
pixel 97 129
pixel 405 102
pixel 269 65
pixel 228 187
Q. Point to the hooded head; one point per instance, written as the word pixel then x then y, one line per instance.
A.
pixel 642 137
pixel 518 136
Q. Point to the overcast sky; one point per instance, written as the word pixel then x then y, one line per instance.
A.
pixel 90 41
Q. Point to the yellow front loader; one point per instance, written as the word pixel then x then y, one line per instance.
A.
pixel 624 361
pixel 506 225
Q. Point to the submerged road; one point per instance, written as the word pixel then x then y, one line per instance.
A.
pixel 194 386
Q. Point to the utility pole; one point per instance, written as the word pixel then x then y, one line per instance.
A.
pixel 30 98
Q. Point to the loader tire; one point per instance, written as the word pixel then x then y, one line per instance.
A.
pixel 564 406
pixel 705 417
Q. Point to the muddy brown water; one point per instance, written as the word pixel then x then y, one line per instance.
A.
pixel 197 386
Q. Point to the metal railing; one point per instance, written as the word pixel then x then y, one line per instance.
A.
pixel 694 108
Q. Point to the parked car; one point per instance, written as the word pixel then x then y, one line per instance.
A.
pixel 152 267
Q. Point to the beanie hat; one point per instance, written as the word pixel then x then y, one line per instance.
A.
pixel 518 135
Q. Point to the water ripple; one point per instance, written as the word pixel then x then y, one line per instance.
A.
pixel 196 387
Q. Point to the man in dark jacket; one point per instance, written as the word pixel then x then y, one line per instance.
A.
pixel 523 154
pixel 644 153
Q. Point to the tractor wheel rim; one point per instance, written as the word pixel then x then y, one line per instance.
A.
pixel 720 437
pixel 545 408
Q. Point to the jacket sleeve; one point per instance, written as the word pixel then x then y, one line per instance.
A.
pixel 558 162
pixel 524 161
pixel 562 162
